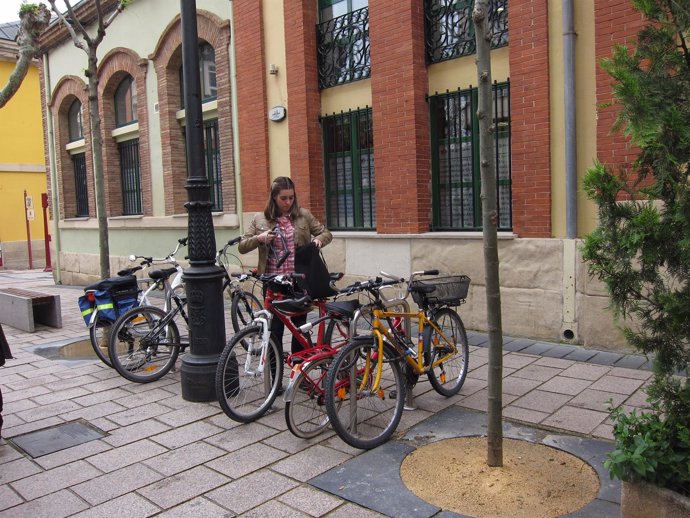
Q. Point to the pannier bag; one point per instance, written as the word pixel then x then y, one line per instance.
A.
pixel 112 297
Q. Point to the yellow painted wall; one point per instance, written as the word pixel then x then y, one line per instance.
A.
pixel 22 164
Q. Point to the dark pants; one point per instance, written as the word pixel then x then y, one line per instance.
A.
pixel 4 354
pixel 278 329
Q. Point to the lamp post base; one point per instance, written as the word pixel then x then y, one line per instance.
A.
pixel 198 378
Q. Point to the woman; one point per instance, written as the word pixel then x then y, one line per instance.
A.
pixel 297 225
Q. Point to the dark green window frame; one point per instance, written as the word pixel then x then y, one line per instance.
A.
pixel 130 176
pixel 349 170
pixel 449 31
pixel 207 74
pixel 74 121
pixel 125 99
pixel 456 177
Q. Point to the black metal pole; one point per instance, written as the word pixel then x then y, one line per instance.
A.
pixel 203 279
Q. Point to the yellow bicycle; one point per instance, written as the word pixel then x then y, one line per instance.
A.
pixel 368 379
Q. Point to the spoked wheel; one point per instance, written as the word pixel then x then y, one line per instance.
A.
pixel 244 305
pixel 141 349
pixel 305 413
pixel 449 356
pixel 364 397
pixel 246 389
pixel 99 334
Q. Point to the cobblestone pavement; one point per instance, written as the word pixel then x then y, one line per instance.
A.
pixel 162 455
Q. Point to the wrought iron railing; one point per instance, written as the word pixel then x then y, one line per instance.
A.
pixel 343 49
pixel 80 184
pixel 450 31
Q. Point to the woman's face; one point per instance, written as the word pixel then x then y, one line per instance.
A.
pixel 284 200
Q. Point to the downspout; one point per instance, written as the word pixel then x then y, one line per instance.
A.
pixel 54 202
pixel 235 121
pixel 570 129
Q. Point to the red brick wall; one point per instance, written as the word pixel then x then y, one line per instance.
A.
pixel 252 108
pixel 616 23
pixel 304 104
pixel 399 84
pixel 529 113
pixel 114 67
pixel 66 91
pixel 167 59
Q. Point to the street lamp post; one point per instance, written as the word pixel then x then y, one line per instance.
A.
pixel 203 279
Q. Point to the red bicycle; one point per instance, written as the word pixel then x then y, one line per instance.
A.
pixel 250 368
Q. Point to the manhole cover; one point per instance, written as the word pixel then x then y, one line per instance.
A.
pixel 56 438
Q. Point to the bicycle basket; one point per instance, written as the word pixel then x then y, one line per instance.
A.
pixel 451 290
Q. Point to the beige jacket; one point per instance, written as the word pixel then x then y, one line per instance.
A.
pixel 306 227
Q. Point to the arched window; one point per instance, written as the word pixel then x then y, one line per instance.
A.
pixel 126 102
pixel 74 123
pixel 207 71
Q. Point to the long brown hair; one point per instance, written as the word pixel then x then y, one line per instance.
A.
pixel 279 184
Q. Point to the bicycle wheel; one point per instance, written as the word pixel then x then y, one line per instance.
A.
pixel 244 304
pixel 364 415
pixel 141 349
pixel 244 388
pixel 452 356
pixel 99 335
pixel 337 333
pixel 305 413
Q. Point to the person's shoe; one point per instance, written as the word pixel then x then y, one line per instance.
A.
pixel 280 391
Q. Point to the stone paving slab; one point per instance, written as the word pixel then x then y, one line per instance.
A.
pixel 203 464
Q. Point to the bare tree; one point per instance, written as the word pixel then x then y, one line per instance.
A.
pixel 33 20
pixel 88 42
pixel 487 130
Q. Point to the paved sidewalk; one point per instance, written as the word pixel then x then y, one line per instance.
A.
pixel 162 455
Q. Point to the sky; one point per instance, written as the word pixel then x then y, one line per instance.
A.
pixel 9 9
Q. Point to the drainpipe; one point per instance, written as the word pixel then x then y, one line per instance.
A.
pixel 54 202
pixel 570 133
pixel 235 121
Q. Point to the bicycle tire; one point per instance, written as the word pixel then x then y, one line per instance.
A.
pixel 337 333
pixel 448 377
pixel 243 393
pixel 138 351
pixel 99 335
pixel 305 413
pixel 361 418
pixel 244 305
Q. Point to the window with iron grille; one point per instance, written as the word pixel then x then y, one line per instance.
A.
pixel 80 184
pixel 450 31
pixel 343 42
pixel 349 170
pixel 456 178
pixel 131 177
pixel 212 160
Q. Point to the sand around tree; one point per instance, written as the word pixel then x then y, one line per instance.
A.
pixel 535 481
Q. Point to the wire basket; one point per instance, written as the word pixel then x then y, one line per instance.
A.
pixel 451 290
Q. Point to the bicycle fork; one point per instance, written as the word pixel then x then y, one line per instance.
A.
pixel 262 318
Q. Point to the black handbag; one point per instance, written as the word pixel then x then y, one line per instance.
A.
pixel 309 262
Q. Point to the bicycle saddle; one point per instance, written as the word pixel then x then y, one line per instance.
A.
pixel 345 308
pixel 162 274
pixel 300 305
pixel 112 282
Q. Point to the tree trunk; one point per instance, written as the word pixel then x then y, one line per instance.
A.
pixel 490 224
pixel 97 152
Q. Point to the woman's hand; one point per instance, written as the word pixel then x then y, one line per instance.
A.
pixel 317 243
pixel 265 238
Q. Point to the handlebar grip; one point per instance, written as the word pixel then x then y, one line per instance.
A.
pixel 235 241
pixel 430 272
pixel 183 241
